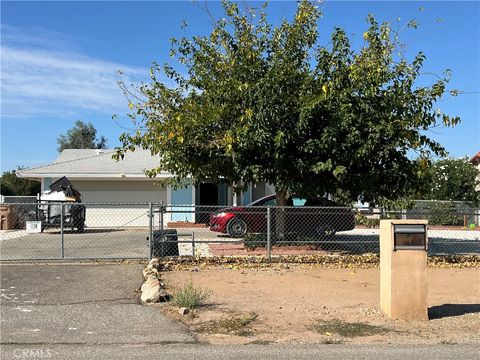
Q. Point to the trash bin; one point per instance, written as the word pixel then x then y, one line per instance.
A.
pixel 167 247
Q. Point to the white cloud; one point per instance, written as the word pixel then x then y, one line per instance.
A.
pixel 40 78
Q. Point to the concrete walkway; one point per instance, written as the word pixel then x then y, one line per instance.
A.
pixel 69 304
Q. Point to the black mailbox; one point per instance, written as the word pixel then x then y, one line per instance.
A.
pixel 410 237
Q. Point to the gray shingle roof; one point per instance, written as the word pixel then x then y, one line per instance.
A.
pixel 74 154
pixel 95 163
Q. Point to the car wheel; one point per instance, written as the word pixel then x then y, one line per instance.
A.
pixel 325 231
pixel 236 228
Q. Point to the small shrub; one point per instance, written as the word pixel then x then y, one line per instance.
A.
pixel 238 324
pixel 235 324
pixel 361 219
pixel 190 296
pixel 252 241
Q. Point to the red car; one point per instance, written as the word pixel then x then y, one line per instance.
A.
pixel 321 217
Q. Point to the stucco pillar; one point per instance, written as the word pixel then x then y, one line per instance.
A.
pixel 403 270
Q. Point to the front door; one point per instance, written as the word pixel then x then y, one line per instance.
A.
pixel 208 197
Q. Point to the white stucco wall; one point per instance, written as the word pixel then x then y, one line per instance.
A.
pixel 101 198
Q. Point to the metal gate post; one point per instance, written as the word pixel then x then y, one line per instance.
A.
pixel 162 235
pixel 61 230
pixel 269 245
pixel 150 230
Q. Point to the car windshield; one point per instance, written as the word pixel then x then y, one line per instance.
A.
pixel 295 201
pixel 265 201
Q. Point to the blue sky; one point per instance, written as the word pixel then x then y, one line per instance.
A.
pixel 60 61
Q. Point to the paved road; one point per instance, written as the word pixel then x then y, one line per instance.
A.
pixel 254 352
pixel 79 304
pixel 131 243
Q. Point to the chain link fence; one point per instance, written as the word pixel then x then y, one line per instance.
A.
pixel 49 231
pixel 39 231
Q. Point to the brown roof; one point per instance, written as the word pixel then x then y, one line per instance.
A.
pixel 475 159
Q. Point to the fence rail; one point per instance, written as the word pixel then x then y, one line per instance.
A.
pixel 34 231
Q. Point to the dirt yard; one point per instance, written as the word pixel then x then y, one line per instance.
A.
pixel 298 304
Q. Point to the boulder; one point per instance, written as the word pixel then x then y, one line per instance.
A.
pixel 150 294
pixel 152 280
pixel 152 289
pixel 147 272
pixel 154 263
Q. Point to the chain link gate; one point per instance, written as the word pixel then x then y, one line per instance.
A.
pixel 110 232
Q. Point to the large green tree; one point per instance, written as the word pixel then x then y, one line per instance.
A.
pixel 452 179
pixel 10 184
pixel 255 102
pixel 81 136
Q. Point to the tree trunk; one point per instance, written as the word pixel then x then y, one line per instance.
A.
pixel 280 215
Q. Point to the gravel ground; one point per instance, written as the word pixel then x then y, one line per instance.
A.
pixel 291 302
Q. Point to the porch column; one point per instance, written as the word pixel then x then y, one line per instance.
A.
pixel 183 199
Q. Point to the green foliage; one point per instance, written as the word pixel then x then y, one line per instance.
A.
pixel 81 136
pixel 265 103
pixel 444 213
pixel 361 219
pixel 190 296
pixel 403 203
pixel 453 180
pixel 12 185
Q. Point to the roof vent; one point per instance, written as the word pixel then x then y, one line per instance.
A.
pixel 98 151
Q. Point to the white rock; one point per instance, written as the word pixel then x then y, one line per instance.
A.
pixel 183 311
pixel 147 272
pixel 154 262
pixel 152 281
pixel 150 294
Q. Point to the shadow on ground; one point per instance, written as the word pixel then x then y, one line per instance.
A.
pixel 447 310
pixel 56 231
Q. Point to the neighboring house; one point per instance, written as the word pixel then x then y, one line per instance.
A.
pixel 100 179
pixel 475 160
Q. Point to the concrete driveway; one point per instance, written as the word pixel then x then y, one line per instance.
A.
pixel 79 304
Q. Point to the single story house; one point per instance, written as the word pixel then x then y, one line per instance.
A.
pixel 118 187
